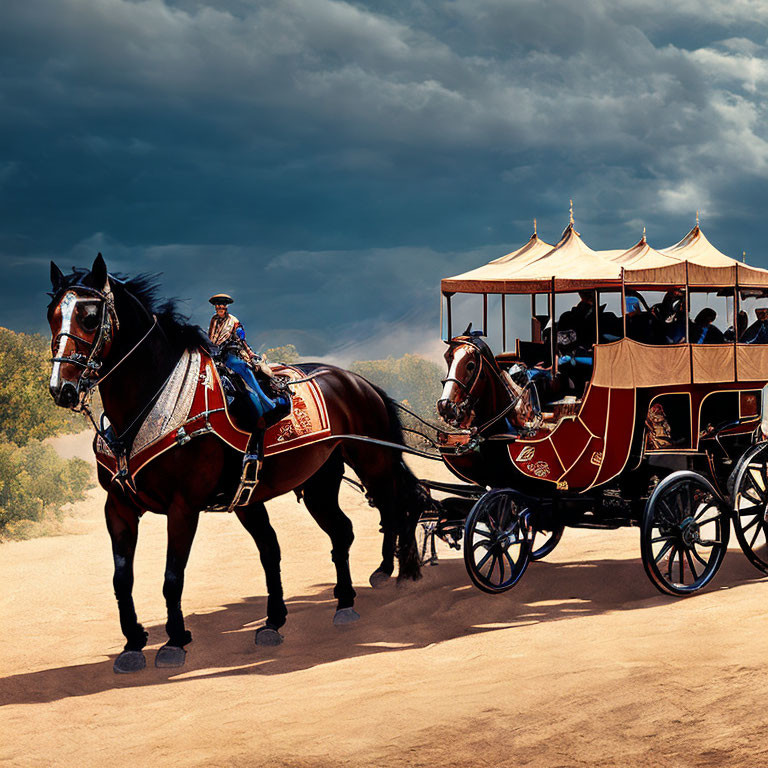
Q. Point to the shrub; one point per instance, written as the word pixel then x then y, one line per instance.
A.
pixel 35 482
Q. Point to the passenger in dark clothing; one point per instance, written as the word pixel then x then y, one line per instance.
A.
pixel 702 331
pixel 757 333
pixel 583 319
pixel 741 326
pixel 671 312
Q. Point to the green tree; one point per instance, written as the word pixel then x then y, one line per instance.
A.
pixel 412 379
pixel 26 408
pixel 286 354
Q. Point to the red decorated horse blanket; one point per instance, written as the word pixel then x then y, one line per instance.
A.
pixel 193 403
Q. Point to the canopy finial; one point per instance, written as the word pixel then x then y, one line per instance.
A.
pixel 643 233
pixel 743 257
pixel 571 216
pixel 535 232
pixel 697 217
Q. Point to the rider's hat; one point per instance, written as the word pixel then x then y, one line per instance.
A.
pixel 221 298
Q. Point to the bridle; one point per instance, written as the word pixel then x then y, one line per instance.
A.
pixel 109 323
pixel 469 385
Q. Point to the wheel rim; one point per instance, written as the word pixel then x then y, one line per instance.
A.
pixel 685 536
pixel 543 541
pixel 496 547
pixel 750 508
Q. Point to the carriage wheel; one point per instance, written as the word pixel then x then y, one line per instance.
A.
pixel 684 534
pixel 496 546
pixel 543 541
pixel 750 505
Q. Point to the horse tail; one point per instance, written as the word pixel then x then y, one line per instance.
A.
pixel 411 497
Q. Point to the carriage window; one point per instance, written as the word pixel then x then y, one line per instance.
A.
pixel 717 410
pixel 668 423
pixel 711 316
pixel 752 321
pixel 656 317
pixel 466 308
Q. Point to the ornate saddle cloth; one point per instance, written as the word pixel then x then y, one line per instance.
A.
pixel 193 403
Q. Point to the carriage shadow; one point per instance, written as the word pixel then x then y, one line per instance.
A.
pixel 441 607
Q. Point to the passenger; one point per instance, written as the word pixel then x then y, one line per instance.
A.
pixel 583 319
pixel 757 333
pixel 641 325
pixel 741 326
pixel 609 324
pixel 671 313
pixel 702 331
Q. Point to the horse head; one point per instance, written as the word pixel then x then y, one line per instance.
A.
pixel 473 386
pixel 83 324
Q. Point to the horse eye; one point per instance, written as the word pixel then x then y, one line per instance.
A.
pixel 90 321
pixel 470 366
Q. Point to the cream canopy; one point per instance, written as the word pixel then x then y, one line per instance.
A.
pixel 573 265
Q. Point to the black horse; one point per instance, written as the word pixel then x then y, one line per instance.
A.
pixel 112 333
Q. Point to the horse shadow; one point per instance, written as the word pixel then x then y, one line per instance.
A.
pixel 442 606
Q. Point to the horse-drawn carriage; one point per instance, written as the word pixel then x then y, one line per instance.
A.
pixel 599 419
pixel 659 432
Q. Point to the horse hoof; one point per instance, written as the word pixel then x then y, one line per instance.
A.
pixel 170 656
pixel 345 616
pixel 129 661
pixel 268 636
pixel 378 579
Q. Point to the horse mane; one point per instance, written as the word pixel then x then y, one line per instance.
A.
pixel 176 326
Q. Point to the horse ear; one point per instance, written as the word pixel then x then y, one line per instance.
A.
pixel 468 331
pixel 99 272
pixel 57 276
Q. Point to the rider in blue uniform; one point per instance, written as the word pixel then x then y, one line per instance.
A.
pixel 228 334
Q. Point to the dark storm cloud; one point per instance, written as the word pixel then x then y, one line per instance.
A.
pixel 331 161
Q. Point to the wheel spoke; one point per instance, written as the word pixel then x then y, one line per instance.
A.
pixel 755 487
pixel 489 575
pixel 512 564
pixel 669 517
pixel 664 550
pixel 755 520
pixel 705 508
pixel 691 565
pixel 758 531
pixel 484 560
pixel 501 570
pixel 664 537
pixel 671 563
pixel 699 557
pixel 744 510
pixel 682 565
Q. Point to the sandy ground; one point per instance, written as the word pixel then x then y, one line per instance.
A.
pixel 583 663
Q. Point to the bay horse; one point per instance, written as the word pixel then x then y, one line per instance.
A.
pixel 112 333
pixel 476 393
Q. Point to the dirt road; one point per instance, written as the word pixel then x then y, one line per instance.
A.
pixel 583 663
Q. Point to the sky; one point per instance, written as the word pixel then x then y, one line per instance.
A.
pixel 328 162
